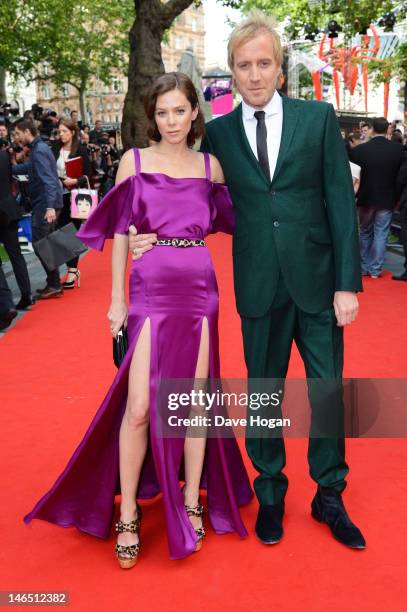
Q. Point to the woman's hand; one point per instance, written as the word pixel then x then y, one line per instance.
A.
pixel 70 183
pixel 117 316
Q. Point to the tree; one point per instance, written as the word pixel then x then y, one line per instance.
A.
pixel 77 39
pixel 153 18
pixel 393 67
pixel 20 46
pixel 86 39
pixel 353 16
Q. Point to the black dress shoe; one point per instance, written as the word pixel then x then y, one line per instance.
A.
pixel 50 292
pixel 7 317
pixel 402 277
pixel 25 302
pixel 269 523
pixel 327 507
pixel 39 291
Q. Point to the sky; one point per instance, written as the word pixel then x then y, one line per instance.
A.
pixel 217 31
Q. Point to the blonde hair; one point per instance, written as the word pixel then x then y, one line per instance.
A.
pixel 255 23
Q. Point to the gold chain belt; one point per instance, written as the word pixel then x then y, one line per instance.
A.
pixel 180 242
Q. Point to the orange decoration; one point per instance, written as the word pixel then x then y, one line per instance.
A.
pixel 346 61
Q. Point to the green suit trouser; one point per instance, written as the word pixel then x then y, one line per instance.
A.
pixel 267 347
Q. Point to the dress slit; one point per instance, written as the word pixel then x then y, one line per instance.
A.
pixel 176 290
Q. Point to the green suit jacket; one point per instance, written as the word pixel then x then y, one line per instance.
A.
pixel 303 223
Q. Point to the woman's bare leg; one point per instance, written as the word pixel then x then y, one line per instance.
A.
pixel 194 449
pixel 133 431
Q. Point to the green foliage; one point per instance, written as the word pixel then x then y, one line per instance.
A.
pixel 86 38
pixel 392 67
pixel 76 38
pixel 352 15
pixel 17 22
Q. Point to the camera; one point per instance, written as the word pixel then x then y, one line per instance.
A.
pixel 8 109
pixel 4 143
pixel 17 148
pixel 105 150
pixel 37 111
pixel 92 149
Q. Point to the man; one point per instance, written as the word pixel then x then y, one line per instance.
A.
pixel 365 131
pixel 96 135
pixel 295 256
pixel 7 311
pixel 85 138
pixel 381 161
pixel 75 119
pixel 402 184
pixel 45 193
pixel 3 132
pixel 9 215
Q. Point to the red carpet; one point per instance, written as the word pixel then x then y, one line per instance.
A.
pixel 55 369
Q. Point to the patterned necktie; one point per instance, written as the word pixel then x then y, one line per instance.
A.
pixel 261 140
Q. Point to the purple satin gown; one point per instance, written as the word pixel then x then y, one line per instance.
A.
pixel 175 288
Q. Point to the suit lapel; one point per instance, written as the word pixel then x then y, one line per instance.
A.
pixel 246 146
pixel 290 119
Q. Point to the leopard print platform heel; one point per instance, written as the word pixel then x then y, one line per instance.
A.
pixel 127 555
pixel 196 511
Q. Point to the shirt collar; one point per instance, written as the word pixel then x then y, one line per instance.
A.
pixel 273 107
pixel 34 142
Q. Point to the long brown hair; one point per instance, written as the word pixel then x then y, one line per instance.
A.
pixel 72 127
pixel 169 82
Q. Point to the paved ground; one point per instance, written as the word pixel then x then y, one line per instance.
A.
pixel 394 262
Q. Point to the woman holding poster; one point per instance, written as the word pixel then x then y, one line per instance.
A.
pixel 70 148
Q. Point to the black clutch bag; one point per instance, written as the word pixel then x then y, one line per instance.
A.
pixel 120 346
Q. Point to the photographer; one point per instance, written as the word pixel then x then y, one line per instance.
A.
pixel 109 164
pixel 9 216
pixel 95 156
pixel 21 154
pixel 4 136
pixel 85 138
pixel 97 132
pixel 49 122
pixel 45 192
pixel 68 147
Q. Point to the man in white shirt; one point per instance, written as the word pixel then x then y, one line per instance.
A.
pixel 274 125
pixel 296 263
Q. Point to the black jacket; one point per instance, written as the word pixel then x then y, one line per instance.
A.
pixel 82 151
pixel 9 210
pixel 381 161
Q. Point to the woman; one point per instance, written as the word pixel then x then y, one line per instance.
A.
pixel 68 147
pixel 172 326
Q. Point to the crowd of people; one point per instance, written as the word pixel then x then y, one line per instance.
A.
pixel 378 157
pixel 35 181
pixel 39 144
pixel 274 173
